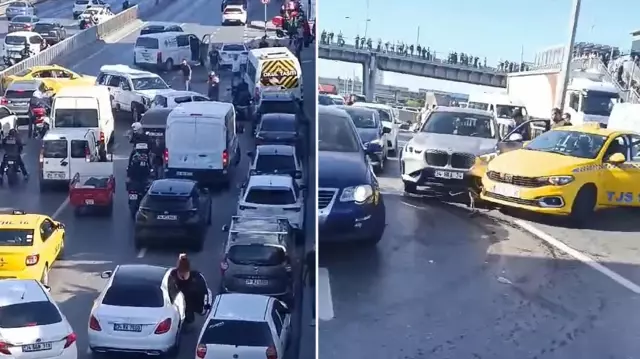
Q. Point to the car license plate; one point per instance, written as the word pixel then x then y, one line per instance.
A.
pixel 133 196
pixel 506 190
pixel 89 202
pixel 167 217
pixel 55 175
pixel 127 327
pixel 256 282
pixel 449 175
pixel 184 174
pixel 36 347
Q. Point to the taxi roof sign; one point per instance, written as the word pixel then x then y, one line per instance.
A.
pixel 12 211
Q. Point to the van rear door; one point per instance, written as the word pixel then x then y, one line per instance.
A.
pixel 55 159
pixel 180 137
pixel 210 144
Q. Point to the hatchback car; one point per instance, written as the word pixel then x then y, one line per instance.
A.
pixel 23 23
pixel 276 159
pixel 18 96
pixel 19 8
pixel 173 210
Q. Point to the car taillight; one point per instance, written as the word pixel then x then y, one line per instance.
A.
pixel 159 57
pixel 201 351
pixel 224 265
pixel 225 158
pixel 32 259
pixel 272 353
pixel 4 348
pixel 3 101
pixel 94 325
pixel 165 155
pixel 70 339
pixel 164 326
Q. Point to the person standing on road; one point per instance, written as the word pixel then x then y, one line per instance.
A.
pixel 310 278
pixel 186 74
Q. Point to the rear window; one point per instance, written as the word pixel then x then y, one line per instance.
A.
pixel 256 254
pixel 182 99
pixel 275 164
pixel 29 315
pixel 19 93
pixel 19 4
pixel 270 196
pixel 79 148
pixel 147 43
pixel 22 19
pixel 278 107
pixel 237 333
pixel 54 149
pixel 16 237
pixel 233 47
pixel 232 11
pixel 169 203
pixel 14 40
pixel 76 117
pixel 278 124
pixel 151 30
pixel 139 295
pixel 43 27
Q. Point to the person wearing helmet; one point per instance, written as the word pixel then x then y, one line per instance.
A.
pixel 139 167
pixel 13 147
pixel 137 134
pixel 193 286
pixel 213 86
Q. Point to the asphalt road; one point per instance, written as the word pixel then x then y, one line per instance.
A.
pixel 444 284
pixel 97 244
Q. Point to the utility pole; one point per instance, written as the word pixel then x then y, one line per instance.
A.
pixel 568 54
pixel 366 21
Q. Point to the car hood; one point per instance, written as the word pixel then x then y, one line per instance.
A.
pixel 152 93
pixel 342 169
pixel 534 163
pixel 368 134
pixel 475 145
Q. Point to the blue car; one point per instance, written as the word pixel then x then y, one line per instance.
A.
pixel 350 205
pixel 371 132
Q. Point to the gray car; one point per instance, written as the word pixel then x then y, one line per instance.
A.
pixel 19 8
pixel 23 23
pixel 258 257
pixel 437 160
pixel 17 98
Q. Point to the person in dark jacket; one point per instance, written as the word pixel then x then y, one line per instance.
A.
pixel 13 147
pixel 186 74
pixel 557 119
pixel 213 86
pixel 193 286
pixel 310 278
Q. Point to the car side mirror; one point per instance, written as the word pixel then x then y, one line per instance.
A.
pixel 106 274
pixel 47 288
pixel 515 137
pixel 59 225
pixel 298 175
pixel 225 228
pixel 386 130
pixel 616 158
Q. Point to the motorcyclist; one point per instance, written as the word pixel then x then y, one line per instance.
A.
pixel 213 86
pixel 213 58
pixel 26 50
pixel 193 286
pixel 139 168
pixel 137 134
pixel 13 147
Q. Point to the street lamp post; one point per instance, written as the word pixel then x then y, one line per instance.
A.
pixel 568 52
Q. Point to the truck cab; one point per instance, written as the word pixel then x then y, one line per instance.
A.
pixel 587 100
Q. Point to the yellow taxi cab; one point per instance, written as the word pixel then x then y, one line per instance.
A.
pixel 54 76
pixel 569 171
pixel 29 245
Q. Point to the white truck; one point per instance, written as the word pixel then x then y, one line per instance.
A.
pixel 589 96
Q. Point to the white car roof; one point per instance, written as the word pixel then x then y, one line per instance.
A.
pixel 208 108
pixel 24 34
pixel 161 35
pixel 181 93
pixel 275 150
pixel 240 306
pixel 281 181
pixel 67 133
pixel 127 71
pixel 14 291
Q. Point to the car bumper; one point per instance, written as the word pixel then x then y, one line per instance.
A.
pixel 553 200
pixel 352 223
pixel 154 344
pixel 273 290
pixel 203 177
pixel 427 183
pixel 162 234
pixel 32 272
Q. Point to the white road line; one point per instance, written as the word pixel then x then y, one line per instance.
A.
pixel 142 252
pixel 85 60
pixel 62 207
pixel 579 256
pixel 325 301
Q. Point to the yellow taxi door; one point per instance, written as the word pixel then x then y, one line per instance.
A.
pixel 618 186
pixel 50 241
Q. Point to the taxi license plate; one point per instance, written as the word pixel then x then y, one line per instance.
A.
pixel 256 282
pixel 506 190
pixel 127 327
pixel 36 347
pixel 89 202
pixel 133 196
pixel 55 175
pixel 167 217
pixel 449 175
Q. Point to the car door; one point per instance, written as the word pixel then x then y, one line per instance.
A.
pixel 113 84
pixel 618 187
pixel 51 241
pixel 283 313
pixel 278 326
pixel 126 94
pixel 182 49
pixel 176 297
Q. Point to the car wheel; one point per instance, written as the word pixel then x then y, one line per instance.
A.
pixel 44 278
pixel 168 66
pixel 61 253
pixel 584 205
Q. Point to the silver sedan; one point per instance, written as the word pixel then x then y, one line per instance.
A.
pixel 20 8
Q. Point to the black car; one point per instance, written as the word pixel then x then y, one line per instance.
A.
pixel 371 131
pixel 350 205
pixel 155 28
pixel 276 102
pixel 154 125
pixel 52 32
pixel 173 210
pixel 278 129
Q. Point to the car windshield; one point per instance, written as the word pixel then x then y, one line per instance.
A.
pixel 233 48
pixel 460 124
pixel 151 30
pixel 599 103
pixel 19 4
pixel 21 19
pixel 91 11
pixel 270 196
pixel 237 333
pixel 337 133
pixel 275 164
pixel 43 27
pixel 134 295
pixel 28 314
pixel 76 117
pixel 256 254
pixel 384 114
pixel 362 118
pixel 338 100
pixel 278 124
pixel 16 237
pixel 147 43
pixel 568 143
pixel 14 40
pixel 149 83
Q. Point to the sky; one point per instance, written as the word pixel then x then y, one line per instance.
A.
pixel 496 29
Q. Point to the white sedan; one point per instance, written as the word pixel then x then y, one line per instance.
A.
pixel 230 52
pixel 234 14
pixel 101 13
pixel 140 310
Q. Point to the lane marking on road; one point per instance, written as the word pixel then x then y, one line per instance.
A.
pixel 579 256
pixel 325 301
pixel 104 48
pixel 62 207
pixel 142 252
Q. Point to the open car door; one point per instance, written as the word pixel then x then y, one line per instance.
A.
pixel 205 42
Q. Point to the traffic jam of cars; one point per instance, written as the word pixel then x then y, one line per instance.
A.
pixel 185 151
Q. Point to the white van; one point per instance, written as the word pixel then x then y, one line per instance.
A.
pixel 14 44
pixel 87 107
pixel 502 107
pixel 201 142
pixel 165 50
pixel 64 152
pixel 274 67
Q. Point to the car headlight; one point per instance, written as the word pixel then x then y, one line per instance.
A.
pixel 357 194
pixel 488 157
pixel 557 180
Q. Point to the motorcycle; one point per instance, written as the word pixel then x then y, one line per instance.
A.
pixel 11 171
pixel 136 192
pixel 41 122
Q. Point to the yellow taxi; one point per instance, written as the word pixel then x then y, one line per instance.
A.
pixel 54 76
pixel 569 171
pixel 29 245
